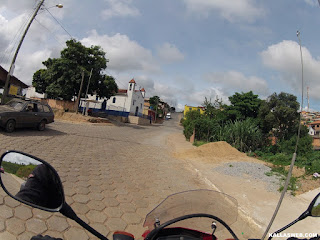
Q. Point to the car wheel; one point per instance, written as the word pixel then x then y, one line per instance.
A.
pixel 10 126
pixel 42 125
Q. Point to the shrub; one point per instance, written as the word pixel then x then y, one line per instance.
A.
pixel 280 159
pixel 24 171
pixel 205 127
pixel 243 135
pixel 189 122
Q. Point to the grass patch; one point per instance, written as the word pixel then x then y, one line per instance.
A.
pixel 199 143
pixel 282 173
pixel 10 167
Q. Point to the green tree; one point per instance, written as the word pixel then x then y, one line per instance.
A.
pixel 213 109
pixel 190 122
pixel 279 115
pixel 62 76
pixel 243 105
pixel 154 100
pixel 154 103
pixel 107 88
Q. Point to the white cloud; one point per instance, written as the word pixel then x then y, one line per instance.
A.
pixel 37 46
pixel 284 57
pixel 180 95
pixel 233 81
pixel 123 53
pixel 312 2
pixel 198 97
pixel 169 53
pixel 120 8
pixel 231 10
pixel 18 6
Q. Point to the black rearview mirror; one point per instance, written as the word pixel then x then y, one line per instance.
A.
pixel 31 181
pixel 315 206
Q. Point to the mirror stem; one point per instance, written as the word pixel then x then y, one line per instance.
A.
pixel 67 211
pixel 304 215
pixel 285 227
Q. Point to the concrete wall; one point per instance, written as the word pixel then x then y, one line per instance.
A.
pixel 138 120
pixel 60 104
pixel 118 118
pixel 120 103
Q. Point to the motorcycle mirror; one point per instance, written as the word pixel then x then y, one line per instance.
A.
pixel 314 207
pixel 32 181
pixel 36 183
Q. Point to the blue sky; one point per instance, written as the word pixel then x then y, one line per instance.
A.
pixel 182 50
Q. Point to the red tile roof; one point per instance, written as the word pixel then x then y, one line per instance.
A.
pixel 132 81
pixel 122 90
pixel 142 90
pixel 315 123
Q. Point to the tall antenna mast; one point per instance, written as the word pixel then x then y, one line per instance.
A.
pixel 308 99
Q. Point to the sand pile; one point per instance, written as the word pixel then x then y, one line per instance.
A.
pixel 77 118
pixel 214 152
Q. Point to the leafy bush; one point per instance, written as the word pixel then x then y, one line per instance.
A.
pixel 10 167
pixel 312 163
pixel 304 146
pixel 24 171
pixel 243 135
pixel 189 122
pixel 205 128
pixel 280 159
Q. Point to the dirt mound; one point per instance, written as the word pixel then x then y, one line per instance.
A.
pixel 216 152
pixel 77 118
pixel 219 149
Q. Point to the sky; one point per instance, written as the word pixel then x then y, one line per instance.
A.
pixel 182 50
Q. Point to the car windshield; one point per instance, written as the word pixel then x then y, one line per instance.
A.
pixel 15 104
pixel 191 202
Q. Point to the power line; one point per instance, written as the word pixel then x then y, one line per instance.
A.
pixel 50 32
pixel 59 23
pixel 14 42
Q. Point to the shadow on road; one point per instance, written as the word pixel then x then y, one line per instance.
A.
pixel 48 132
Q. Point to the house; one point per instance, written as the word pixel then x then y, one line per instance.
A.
pixel 315 126
pixel 311 132
pixel 128 100
pixel 148 111
pixel 190 108
pixel 15 85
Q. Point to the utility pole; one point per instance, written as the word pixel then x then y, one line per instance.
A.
pixel 308 97
pixel 10 72
pixel 78 99
pixel 86 109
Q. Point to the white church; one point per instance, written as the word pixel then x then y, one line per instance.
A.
pixel 128 100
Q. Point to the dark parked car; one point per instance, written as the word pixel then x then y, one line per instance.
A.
pixel 25 113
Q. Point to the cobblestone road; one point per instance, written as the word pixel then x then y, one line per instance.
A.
pixel 112 176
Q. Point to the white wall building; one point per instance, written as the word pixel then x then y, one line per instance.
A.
pixel 128 100
pixel 31 93
pixel 311 132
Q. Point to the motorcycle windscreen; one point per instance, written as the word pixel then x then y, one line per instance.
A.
pixel 180 204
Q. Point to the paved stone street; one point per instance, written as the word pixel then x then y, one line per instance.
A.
pixel 112 175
